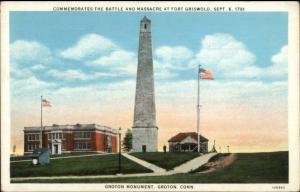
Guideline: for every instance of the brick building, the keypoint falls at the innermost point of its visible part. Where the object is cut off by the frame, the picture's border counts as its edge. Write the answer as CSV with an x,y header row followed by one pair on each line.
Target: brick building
x,y
72,138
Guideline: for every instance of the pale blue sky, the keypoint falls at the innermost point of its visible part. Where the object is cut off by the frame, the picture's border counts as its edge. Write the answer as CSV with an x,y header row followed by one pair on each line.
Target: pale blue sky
x,y
263,34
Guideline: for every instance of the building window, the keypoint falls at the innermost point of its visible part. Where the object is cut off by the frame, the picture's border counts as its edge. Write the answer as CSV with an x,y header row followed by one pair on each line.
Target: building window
x,y
82,135
56,136
145,26
32,146
82,146
33,137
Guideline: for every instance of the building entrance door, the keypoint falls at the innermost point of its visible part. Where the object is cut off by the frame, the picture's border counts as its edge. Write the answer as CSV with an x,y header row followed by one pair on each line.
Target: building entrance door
x,y
55,149
144,148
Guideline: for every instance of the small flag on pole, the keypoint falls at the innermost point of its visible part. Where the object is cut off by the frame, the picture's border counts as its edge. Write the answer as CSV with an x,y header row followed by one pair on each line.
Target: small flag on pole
x,y
204,74
46,103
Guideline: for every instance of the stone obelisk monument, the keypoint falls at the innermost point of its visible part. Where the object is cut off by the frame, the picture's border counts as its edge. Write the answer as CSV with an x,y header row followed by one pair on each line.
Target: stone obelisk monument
x,y
144,130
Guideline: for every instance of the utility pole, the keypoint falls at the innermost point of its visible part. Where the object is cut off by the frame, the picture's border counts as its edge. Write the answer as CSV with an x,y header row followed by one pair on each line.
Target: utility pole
x,y
120,150
198,110
41,130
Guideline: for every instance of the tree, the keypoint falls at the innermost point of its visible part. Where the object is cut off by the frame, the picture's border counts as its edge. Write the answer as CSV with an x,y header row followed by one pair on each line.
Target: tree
x,y
14,149
127,141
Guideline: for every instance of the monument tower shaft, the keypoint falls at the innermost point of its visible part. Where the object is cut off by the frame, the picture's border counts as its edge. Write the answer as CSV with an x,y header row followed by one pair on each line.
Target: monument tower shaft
x,y
144,111
144,130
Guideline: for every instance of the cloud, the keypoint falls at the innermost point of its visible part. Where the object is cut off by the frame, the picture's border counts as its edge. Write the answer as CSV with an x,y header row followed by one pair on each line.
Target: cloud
x,y
73,74
162,73
224,52
116,58
119,61
37,67
230,58
28,57
30,84
278,68
29,52
89,46
247,72
125,62
101,93
70,74
20,72
176,57
280,63
220,52
222,92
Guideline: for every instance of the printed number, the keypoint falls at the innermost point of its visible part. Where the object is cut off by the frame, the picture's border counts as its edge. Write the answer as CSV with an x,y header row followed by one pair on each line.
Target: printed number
x,y
278,187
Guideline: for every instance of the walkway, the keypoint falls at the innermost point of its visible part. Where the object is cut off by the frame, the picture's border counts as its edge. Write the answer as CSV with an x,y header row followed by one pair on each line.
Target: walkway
x,y
193,164
184,168
146,164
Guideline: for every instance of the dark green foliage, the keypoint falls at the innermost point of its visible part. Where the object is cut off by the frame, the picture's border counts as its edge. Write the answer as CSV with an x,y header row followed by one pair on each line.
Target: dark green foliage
x,y
127,141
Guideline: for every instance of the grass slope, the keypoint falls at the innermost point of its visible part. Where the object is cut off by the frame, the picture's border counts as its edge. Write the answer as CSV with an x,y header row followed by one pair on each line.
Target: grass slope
x,y
166,160
92,165
248,168
27,157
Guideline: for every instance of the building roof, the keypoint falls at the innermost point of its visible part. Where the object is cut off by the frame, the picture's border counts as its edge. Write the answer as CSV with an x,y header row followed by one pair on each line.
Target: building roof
x,y
78,126
181,136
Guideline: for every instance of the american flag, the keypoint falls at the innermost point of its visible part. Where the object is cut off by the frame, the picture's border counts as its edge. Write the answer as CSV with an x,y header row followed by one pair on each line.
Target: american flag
x,y
46,103
204,74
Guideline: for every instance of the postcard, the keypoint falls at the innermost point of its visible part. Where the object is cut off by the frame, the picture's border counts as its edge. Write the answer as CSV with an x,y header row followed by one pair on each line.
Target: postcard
x,y
150,96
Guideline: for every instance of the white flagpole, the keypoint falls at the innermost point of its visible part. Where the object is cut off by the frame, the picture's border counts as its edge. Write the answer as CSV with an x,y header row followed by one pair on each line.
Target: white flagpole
x,y
198,110
41,131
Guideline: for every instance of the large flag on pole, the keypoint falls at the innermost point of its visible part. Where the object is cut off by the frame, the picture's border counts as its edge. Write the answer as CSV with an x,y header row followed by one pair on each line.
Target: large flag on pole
x,y
46,103
204,74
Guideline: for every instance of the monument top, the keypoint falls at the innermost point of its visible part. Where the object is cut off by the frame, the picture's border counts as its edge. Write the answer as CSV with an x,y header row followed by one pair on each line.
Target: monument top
x,y
145,25
145,19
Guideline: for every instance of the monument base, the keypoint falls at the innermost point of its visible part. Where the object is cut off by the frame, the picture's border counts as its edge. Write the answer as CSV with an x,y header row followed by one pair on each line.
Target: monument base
x,y
144,139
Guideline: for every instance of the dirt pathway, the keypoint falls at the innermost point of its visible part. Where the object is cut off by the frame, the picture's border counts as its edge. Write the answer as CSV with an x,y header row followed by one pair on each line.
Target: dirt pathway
x,y
220,163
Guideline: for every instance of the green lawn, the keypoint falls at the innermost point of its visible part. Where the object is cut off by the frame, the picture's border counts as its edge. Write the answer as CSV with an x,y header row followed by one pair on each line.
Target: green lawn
x,y
27,157
166,160
91,165
248,168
